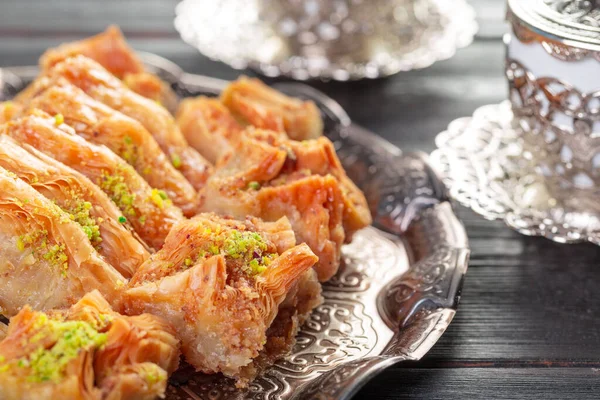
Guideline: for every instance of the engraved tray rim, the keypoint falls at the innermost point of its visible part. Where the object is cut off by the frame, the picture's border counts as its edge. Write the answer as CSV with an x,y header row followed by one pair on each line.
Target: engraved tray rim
x,y
417,305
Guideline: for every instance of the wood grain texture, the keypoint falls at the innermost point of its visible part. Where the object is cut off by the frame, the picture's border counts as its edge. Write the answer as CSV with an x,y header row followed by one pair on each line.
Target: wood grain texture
x,y
527,326
491,383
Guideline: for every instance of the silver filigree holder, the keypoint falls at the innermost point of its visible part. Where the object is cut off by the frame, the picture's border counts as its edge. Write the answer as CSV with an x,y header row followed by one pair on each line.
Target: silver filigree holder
x,y
535,161
340,40
400,281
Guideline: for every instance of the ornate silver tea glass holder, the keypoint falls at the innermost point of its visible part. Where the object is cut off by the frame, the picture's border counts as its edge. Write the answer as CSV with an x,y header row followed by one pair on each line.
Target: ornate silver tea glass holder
x,y
534,161
486,168
339,39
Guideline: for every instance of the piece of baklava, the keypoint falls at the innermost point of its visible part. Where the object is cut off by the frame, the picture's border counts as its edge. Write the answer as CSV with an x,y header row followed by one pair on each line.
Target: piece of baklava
x,y
100,124
86,352
149,211
270,176
89,206
99,84
256,104
208,126
46,258
220,282
108,48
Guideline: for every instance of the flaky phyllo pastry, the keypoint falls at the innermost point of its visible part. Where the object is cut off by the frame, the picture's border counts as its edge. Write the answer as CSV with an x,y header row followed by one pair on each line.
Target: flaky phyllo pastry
x,y
126,137
47,260
205,120
79,197
86,352
220,282
101,86
255,104
270,176
147,209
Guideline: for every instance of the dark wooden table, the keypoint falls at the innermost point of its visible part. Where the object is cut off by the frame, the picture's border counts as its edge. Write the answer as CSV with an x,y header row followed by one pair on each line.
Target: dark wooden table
x,y
527,326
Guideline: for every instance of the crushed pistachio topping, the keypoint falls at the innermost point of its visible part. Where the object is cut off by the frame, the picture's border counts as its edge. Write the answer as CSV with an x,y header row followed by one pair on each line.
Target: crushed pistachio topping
x,y
56,256
254,185
153,374
37,241
80,213
248,248
122,219
59,119
128,150
118,191
30,238
176,160
68,337
160,198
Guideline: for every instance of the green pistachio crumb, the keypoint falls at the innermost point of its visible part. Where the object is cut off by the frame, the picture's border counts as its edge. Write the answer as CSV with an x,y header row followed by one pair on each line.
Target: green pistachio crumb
x,y
254,185
176,160
59,119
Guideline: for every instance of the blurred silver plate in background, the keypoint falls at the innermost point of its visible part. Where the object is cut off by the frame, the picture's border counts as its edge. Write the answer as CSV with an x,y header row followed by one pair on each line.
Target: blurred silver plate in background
x,y
486,167
337,39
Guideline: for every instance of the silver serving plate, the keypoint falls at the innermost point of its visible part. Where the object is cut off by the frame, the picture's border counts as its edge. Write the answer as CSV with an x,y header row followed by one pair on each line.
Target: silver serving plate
x,y
400,281
486,168
340,40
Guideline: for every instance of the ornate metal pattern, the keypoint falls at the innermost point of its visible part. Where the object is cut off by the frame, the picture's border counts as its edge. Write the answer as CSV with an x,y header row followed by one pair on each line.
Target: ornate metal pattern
x,y
584,12
338,40
556,49
559,131
483,162
567,29
393,297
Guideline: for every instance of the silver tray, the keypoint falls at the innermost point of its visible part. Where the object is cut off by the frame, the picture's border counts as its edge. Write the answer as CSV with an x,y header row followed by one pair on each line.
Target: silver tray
x,y
400,281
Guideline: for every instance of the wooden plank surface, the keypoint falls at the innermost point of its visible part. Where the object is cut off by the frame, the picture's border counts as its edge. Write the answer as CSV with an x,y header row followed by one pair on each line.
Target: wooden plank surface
x,y
485,383
527,324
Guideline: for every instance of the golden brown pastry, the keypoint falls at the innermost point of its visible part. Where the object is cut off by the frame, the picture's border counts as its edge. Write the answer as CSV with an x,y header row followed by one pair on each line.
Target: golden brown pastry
x,y
100,124
148,210
220,283
78,196
46,258
270,176
208,126
153,88
9,110
3,330
99,84
86,352
256,104
108,49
